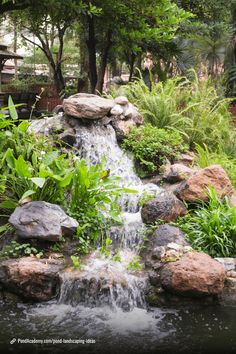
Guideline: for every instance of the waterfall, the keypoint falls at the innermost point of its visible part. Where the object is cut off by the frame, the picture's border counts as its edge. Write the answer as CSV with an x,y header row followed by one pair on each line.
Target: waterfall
x,y
103,281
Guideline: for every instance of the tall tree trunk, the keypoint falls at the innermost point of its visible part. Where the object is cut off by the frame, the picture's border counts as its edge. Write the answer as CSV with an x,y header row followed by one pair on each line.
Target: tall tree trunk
x,y
103,62
91,44
83,84
58,80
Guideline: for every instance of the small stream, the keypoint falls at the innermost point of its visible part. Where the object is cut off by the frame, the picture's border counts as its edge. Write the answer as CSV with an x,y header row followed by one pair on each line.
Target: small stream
x,y
118,319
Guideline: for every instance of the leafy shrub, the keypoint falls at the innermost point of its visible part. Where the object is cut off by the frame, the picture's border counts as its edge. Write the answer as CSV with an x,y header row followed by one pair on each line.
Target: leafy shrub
x,y
212,227
151,146
43,178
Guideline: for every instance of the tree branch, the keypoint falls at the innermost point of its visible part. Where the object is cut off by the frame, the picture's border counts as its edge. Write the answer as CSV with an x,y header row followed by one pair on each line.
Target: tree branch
x,y
32,42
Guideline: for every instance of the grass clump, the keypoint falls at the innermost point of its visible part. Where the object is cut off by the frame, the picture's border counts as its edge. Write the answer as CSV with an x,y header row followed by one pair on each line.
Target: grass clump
x,y
211,227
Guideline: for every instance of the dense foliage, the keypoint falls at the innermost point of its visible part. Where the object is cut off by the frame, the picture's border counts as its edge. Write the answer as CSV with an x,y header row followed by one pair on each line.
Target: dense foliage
x,y
32,169
151,147
189,106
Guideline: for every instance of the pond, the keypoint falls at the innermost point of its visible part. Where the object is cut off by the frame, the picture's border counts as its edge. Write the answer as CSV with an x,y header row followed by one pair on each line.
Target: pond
x,y
52,327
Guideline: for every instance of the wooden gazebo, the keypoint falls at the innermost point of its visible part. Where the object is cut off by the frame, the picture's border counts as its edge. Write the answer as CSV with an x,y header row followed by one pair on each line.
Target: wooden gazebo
x,y
6,54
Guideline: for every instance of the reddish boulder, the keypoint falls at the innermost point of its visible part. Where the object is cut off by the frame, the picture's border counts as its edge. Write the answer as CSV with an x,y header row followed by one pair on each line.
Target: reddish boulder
x,y
195,274
31,278
196,186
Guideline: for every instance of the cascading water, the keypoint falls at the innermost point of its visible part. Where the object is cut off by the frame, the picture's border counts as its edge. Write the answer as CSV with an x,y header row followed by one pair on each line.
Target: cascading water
x,y
103,281
101,309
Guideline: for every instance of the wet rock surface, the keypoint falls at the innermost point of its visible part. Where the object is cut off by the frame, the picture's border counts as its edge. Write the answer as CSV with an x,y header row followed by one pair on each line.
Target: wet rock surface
x,y
102,283
228,295
195,188
31,278
195,274
42,221
165,207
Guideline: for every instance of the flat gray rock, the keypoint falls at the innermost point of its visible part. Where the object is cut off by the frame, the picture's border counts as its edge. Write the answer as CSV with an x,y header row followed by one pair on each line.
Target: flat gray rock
x,y
41,220
87,106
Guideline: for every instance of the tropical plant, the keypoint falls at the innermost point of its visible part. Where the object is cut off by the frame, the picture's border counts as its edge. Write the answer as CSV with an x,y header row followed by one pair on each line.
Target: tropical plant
x,y
44,178
93,201
211,227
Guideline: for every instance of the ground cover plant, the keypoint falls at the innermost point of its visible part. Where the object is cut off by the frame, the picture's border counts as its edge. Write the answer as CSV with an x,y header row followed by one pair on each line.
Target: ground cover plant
x,y
152,147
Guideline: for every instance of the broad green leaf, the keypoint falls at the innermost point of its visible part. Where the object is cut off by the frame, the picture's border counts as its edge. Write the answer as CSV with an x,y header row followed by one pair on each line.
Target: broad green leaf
x,y
12,109
45,172
4,124
23,126
66,180
4,228
38,181
34,159
22,168
10,158
49,157
8,204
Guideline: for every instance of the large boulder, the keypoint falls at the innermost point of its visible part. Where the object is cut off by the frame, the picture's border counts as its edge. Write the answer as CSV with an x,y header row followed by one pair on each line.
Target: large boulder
x,y
166,234
196,186
195,274
87,106
165,207
41,220
31,278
